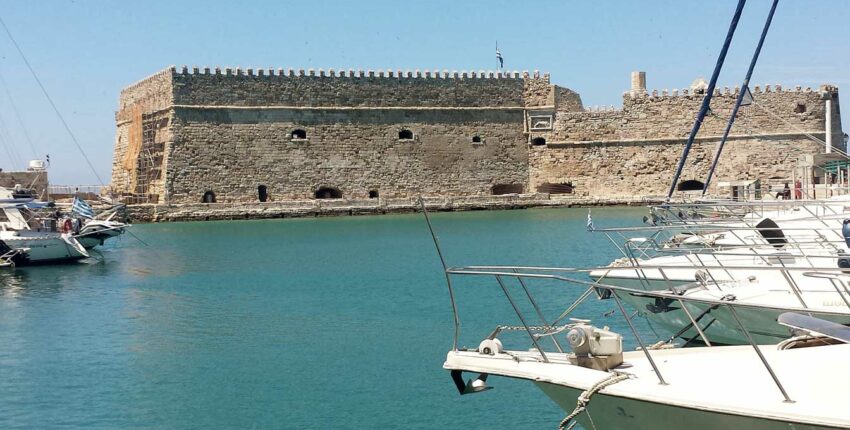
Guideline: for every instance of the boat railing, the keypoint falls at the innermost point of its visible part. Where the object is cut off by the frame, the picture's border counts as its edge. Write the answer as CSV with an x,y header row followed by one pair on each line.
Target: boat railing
x,y
649,241
689,212
565,276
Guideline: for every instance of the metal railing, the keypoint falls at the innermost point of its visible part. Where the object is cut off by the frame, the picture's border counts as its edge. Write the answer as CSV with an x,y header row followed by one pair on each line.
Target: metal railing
x,y
520,273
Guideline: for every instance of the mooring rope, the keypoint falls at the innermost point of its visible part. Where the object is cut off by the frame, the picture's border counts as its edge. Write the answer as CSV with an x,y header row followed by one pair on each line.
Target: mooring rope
x,y
584,399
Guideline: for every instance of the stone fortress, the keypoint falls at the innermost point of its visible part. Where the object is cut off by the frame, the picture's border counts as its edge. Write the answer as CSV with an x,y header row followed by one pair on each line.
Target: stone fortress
x,y
257,135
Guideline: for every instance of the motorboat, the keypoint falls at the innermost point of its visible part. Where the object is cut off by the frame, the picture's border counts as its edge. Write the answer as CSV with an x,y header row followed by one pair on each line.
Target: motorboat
x,y
19,230
703,388
95,231
601,385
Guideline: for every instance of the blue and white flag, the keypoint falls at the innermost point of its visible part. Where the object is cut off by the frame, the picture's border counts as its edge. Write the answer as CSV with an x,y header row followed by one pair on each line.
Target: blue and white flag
x,y
589,221
81,208
499,57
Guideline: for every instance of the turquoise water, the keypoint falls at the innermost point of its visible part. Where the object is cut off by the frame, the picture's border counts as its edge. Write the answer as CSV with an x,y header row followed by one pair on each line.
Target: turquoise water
x,y
302,323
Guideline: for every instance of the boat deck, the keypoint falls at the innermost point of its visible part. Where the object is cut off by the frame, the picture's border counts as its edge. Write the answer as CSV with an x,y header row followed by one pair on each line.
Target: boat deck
x,y
729,379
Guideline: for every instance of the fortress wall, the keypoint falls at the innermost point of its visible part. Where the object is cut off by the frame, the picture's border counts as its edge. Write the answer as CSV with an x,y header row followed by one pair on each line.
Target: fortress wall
x,y
233,151
661,114
567,100
34,181
336,88
142,108
184,132
641,167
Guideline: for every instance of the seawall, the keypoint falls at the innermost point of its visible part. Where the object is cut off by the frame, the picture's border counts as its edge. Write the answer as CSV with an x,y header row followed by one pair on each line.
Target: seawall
x,y
342,207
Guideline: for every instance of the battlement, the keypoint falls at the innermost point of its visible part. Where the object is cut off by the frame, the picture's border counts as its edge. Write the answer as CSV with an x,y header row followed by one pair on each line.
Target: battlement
x,y
729,92
359,73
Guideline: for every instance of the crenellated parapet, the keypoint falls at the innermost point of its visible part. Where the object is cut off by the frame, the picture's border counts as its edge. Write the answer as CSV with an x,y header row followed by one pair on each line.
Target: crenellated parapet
x,y
728,91
670,113
272,72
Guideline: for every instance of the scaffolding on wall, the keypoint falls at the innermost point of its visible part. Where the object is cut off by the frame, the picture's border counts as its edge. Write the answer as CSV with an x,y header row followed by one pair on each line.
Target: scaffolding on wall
x,y
144,156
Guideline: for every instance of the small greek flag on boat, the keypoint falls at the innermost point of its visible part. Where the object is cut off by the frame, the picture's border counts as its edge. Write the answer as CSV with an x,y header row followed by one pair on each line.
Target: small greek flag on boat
x,y
589,221
81,208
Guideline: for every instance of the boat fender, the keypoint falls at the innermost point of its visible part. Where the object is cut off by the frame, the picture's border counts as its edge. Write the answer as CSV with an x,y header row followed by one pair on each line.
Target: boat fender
x,y
843,261
845,231
490,347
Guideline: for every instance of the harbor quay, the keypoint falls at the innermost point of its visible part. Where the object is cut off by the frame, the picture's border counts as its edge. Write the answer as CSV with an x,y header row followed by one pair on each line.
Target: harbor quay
x,y
341,207
221,143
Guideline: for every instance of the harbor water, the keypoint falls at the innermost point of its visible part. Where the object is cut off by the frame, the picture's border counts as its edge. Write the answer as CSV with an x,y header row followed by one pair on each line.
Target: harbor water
x,y
298,323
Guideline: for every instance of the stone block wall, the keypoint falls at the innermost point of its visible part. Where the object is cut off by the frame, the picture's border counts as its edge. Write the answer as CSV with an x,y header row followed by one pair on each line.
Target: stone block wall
x,y
634,150
645,168
230,130
339,88
184,133
35,181
232,152
142,117
671,114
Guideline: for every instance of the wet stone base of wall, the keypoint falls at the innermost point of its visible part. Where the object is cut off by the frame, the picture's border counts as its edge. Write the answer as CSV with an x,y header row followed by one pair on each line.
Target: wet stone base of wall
x,y
341,207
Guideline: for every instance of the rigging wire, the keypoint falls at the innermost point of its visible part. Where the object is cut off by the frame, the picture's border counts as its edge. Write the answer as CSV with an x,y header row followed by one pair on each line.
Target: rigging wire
x,y
15,158
52,104
8,152
35,151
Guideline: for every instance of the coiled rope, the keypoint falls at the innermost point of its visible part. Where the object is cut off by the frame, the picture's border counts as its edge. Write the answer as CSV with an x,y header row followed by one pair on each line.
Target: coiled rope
x,y
584,399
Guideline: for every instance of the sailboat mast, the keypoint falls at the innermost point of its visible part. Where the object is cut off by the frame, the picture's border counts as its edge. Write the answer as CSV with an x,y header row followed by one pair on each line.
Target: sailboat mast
x,y
706,101
745,88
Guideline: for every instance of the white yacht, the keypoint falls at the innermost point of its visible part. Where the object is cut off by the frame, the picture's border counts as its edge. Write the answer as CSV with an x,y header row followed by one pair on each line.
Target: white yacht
x,y
704,388
600,385
96,231
18,231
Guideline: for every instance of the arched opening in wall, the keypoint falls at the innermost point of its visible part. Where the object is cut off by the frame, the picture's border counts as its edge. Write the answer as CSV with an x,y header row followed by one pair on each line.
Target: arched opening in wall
x,y
500,189
559,188
476,139
800,108
328,193
405,135
209,197
262,193
299,134
690,185
538,141
373,194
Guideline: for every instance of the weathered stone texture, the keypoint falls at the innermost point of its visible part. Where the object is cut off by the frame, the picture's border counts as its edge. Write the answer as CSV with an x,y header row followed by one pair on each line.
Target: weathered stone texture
x,y
142,119
31,180
325,91
645,116
232,152
182,134
629,168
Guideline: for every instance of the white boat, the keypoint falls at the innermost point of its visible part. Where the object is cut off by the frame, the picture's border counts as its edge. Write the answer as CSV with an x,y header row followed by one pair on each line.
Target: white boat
x,y
706,388
761,305
40,246
792,384
753,264
44,247
95,232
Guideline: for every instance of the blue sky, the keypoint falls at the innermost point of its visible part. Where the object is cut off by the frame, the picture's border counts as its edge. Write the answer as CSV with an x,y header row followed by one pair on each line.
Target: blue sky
x,y
86,51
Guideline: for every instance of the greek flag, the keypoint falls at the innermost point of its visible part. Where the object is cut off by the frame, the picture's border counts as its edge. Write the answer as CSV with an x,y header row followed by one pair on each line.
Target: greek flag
x,y
81,208
499,57
589,221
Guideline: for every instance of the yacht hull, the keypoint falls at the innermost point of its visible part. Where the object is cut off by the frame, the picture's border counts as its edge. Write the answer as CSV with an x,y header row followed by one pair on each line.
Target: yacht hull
x,y
719,325
42,249
619,413
95,233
